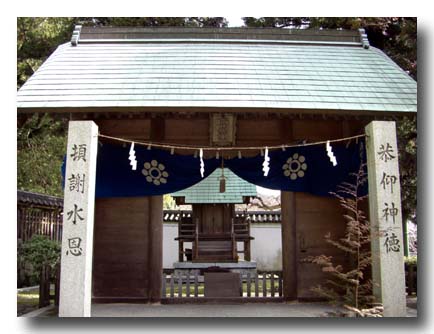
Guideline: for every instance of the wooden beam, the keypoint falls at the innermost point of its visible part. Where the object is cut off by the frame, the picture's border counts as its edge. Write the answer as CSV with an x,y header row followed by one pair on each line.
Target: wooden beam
x,y
289,250
155,260
157,129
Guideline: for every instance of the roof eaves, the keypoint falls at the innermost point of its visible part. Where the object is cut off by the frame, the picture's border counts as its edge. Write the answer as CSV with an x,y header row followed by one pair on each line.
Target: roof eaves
x,y
390,61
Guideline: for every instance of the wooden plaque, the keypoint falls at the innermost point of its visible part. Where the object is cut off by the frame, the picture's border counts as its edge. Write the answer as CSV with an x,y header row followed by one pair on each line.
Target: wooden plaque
x,y
222,131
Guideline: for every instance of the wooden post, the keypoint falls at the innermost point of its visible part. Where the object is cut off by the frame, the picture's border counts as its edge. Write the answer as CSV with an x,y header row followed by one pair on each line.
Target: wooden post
x,y
247,252
405,237
249,285
79,204
44,286
289,249
180,250
187,287
272,284
196,284
155,259
264,284
57,285
180,284
172,287
388,273
256,285
163,286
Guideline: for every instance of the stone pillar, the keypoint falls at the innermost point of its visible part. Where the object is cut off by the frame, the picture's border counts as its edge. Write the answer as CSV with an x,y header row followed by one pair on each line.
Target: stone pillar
x,y
155,248
386,218
289,249
78,217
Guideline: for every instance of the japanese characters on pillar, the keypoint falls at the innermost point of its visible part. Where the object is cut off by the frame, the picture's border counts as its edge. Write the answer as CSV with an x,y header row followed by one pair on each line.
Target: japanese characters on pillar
x,y
386,218
387,155
77,239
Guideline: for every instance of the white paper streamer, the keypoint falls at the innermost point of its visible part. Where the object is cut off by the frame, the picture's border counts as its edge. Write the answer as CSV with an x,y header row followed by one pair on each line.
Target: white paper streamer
x,y
132,158
330,154
266,163
202,164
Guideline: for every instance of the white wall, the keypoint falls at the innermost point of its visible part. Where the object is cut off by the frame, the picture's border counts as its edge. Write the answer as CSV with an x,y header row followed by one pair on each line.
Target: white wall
x,y
266,248
170,245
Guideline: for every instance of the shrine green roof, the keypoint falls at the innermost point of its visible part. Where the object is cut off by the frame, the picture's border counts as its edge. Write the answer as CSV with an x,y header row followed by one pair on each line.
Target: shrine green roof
x,y
222,68
208,190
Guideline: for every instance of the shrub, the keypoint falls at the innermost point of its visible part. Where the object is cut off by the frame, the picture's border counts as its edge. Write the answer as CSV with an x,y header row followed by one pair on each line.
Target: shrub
x,y
37,251
348,284
410,260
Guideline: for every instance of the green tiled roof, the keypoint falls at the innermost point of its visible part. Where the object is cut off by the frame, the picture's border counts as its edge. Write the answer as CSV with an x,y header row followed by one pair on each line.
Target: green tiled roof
x,y
234,68
208,190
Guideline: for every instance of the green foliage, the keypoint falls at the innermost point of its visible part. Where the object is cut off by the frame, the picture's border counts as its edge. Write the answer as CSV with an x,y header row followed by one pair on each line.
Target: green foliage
x,y
217,22
41,145
37,38
39,250
168,203
410,260
276,22
407,146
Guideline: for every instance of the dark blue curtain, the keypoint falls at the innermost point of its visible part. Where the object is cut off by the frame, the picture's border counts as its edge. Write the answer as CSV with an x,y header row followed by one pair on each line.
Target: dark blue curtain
x,y
300,169
303,169
158,172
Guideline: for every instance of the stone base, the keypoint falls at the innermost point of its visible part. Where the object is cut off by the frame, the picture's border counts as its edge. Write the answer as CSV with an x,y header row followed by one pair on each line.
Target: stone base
x,y
241,267
218,285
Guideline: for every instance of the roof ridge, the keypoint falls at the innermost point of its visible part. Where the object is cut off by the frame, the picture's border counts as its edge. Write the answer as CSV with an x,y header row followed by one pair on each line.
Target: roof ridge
x,y
232,35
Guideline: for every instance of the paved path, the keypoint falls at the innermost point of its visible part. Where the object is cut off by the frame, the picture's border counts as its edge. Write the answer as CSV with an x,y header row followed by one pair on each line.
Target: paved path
x,y
294,309
211,310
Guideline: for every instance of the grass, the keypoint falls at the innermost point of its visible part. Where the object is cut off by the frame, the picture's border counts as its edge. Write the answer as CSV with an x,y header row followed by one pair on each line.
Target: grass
x,y
28,301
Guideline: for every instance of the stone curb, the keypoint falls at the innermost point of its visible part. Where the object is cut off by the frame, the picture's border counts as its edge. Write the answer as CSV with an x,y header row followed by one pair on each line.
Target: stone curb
x,y
38,312
29,288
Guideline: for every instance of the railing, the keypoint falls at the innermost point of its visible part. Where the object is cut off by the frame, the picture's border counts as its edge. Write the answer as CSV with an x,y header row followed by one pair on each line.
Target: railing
x,y
191,284
253,216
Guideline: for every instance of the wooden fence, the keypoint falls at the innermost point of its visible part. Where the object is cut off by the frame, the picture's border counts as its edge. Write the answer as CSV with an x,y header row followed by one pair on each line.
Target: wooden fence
x,y
40,221
38,214
191,285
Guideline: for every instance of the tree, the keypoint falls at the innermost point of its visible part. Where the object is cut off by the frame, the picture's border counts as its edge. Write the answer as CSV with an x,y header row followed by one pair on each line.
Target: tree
x,y
37,38
41,145
348,284
276,22
210,22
